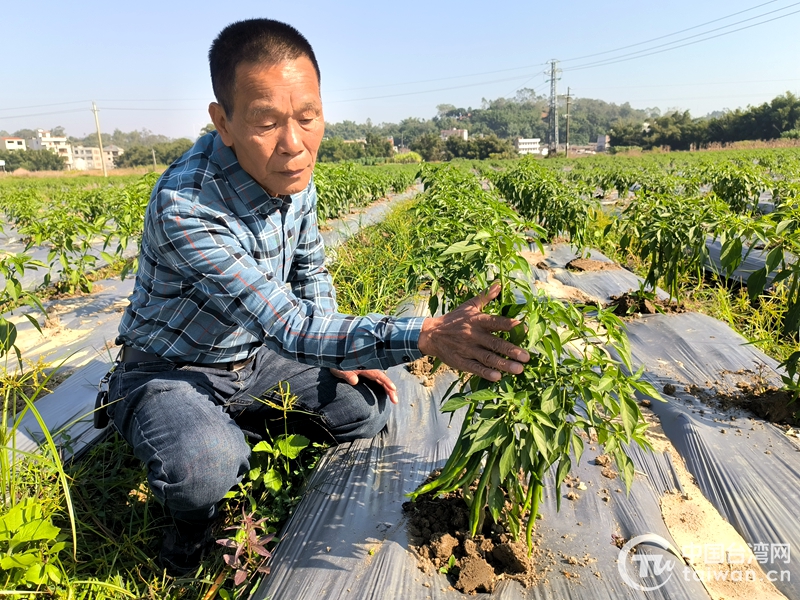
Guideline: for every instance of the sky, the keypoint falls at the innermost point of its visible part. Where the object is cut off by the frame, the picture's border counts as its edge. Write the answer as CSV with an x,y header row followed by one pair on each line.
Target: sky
x,y
145,63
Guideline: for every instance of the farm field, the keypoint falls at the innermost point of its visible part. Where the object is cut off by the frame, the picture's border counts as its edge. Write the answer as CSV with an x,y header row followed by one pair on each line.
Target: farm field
x,y
715,232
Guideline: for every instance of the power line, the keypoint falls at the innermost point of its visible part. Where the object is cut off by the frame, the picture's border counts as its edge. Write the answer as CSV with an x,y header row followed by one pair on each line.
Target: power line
x,y
45,105
58,112
574,58
646,52
455,87
661,37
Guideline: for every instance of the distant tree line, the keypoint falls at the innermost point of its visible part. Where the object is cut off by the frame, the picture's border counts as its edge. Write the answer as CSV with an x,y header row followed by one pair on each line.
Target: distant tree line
x,y
779,118
524,116
165,152
32,160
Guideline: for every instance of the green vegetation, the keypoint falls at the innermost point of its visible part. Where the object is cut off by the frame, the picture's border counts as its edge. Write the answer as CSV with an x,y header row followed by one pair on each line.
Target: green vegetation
x,y
92,528
515,429
679,131
32,160
142,156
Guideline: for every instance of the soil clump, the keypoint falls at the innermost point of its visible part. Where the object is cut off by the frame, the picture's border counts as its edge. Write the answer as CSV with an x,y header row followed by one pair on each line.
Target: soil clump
x,y
752,393
423,369
590,264
631,303
438,529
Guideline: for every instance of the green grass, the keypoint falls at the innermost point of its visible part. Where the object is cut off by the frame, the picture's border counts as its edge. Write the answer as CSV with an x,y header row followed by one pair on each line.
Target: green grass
x,y
370,269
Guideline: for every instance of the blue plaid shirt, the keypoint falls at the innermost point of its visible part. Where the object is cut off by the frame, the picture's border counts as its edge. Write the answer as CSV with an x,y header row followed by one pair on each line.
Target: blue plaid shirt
x,y
224,268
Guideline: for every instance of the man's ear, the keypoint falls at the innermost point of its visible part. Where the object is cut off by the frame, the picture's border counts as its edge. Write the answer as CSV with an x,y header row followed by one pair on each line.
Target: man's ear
x,y
220,120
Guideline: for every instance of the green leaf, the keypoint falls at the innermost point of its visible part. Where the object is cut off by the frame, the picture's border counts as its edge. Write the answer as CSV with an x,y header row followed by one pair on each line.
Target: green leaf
x,y
482,395
508,457
549,400
774,258
35,530
756,283
564,466
540,441
290,446
629,413
484,436
605,384
263,446
455,402
273,480
782,226
577,446
36,574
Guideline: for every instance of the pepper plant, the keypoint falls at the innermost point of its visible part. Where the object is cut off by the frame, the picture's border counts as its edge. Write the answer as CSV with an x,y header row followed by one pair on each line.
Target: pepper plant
x,y
571,390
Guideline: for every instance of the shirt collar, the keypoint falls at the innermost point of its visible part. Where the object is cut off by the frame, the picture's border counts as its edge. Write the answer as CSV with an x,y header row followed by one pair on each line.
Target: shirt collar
x,y
247,188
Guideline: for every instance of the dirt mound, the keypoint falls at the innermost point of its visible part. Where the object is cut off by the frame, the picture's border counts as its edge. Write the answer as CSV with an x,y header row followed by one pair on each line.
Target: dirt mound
x,y
423,368
438,531
589,264
752,393
631,303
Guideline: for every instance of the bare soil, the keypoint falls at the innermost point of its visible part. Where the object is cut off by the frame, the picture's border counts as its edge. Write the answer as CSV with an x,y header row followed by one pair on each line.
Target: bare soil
x,y
589,264
630,303
438,528
750,392
423,369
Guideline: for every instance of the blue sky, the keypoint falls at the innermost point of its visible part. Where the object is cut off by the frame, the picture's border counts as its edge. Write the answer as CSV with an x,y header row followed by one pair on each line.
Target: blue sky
x,y
145,62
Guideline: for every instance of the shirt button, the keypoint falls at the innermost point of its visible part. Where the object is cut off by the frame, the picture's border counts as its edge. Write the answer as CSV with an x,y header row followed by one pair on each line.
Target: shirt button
x,y
406,358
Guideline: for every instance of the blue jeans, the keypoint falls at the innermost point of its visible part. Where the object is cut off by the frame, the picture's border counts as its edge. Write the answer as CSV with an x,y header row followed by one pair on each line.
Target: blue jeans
x,y
188,423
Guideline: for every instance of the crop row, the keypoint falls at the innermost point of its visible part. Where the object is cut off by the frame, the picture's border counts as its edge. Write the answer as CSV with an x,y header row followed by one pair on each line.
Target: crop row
x,y
81,222
516,428
669,212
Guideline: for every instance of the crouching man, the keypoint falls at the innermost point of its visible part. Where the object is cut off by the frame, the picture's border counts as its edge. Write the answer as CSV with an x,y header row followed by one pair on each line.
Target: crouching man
x,y
232,297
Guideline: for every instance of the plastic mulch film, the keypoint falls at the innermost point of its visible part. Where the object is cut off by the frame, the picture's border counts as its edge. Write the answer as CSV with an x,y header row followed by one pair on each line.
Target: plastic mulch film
x,y
602,285
348,539
747,467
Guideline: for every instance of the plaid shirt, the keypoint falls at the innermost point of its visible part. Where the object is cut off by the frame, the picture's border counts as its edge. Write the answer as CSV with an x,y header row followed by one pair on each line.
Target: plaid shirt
x,y
224,268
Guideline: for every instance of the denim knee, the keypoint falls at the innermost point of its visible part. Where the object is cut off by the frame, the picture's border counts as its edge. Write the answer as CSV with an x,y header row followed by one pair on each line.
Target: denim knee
x,y
194,452
360,411
201,472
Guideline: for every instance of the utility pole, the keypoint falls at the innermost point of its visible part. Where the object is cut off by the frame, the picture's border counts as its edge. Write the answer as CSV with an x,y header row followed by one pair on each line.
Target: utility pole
x,y
554,71
99,139
154,158
567,118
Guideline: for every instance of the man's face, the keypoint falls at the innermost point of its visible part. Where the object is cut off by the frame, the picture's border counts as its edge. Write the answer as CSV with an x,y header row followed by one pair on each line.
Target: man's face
x,y
276,126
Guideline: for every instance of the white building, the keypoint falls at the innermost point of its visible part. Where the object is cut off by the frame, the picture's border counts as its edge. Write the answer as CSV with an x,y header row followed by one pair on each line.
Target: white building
x,y
56,144
86,158
12,143
110,154
603,143
528,145
462,133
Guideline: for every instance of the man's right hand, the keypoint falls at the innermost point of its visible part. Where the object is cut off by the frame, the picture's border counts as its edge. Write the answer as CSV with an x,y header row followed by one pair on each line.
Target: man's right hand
x,y
463,340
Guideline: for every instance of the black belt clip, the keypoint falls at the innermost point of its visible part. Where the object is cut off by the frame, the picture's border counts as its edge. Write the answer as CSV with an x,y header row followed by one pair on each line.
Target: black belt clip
x,y
100,415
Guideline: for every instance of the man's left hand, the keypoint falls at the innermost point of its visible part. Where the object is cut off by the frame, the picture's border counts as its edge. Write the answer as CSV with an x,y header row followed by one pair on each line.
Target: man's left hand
x,y
375,375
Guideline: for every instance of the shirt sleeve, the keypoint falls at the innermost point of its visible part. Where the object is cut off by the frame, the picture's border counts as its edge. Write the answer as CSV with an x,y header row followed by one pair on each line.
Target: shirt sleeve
x,y
202,247
308,277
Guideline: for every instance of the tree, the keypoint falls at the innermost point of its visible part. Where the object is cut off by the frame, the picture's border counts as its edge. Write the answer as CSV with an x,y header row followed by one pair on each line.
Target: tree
x,y
626,132
378,146
337,150
207,129
166,153
429,146
32,160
